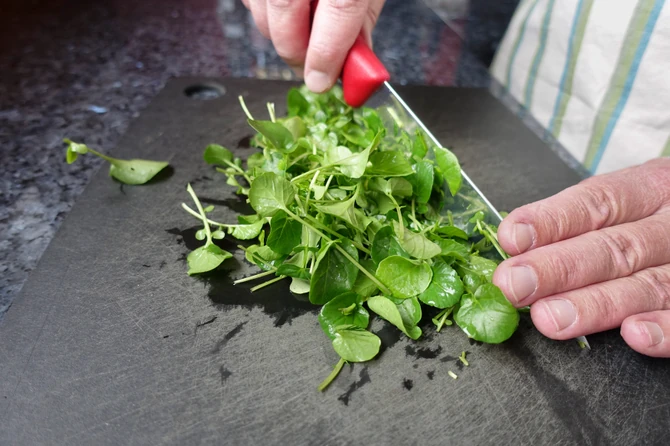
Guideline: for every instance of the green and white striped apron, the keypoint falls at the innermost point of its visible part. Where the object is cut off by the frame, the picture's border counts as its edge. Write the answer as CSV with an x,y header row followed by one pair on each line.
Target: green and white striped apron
x,y
595,74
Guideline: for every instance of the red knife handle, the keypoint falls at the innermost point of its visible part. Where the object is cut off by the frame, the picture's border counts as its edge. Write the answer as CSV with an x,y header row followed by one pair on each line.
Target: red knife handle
x,y
362,72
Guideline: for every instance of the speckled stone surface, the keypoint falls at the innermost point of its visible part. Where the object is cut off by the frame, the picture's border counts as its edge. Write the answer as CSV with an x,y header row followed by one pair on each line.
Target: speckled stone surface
x,y
84,70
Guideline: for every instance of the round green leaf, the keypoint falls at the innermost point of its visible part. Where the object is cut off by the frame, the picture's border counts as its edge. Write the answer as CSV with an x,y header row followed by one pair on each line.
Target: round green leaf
x,y
405,315
385,244
270,193
355,344
487,316
334,274
445,289
285,233
345,309
216,154
135,171
417,245
405,278
206,258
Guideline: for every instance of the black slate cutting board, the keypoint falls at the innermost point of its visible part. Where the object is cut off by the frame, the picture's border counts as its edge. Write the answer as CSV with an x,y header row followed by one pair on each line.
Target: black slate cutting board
x,y
112,343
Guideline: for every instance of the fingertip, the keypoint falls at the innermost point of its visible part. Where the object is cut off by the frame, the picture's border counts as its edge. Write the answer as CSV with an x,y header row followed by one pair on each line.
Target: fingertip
x,y
646,335
516,236
505,237
549,324
318,81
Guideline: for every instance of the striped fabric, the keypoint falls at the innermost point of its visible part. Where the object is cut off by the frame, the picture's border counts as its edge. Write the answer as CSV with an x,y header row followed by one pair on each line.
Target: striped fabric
x,y
595,74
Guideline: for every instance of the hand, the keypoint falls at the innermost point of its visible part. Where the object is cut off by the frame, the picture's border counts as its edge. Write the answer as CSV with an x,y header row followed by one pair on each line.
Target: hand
x,y
595,257
319,57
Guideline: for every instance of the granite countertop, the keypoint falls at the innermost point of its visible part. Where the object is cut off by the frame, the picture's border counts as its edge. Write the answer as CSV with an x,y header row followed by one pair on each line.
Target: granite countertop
x,y
83,70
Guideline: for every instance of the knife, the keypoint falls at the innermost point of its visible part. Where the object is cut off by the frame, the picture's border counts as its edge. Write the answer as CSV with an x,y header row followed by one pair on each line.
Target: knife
x,y
365,81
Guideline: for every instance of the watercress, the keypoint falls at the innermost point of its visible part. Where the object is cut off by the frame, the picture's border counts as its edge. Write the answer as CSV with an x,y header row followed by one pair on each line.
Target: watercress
x,y
354,210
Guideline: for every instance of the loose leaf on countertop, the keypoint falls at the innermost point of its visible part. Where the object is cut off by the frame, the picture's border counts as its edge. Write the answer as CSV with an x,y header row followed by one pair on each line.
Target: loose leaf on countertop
x,y
133,172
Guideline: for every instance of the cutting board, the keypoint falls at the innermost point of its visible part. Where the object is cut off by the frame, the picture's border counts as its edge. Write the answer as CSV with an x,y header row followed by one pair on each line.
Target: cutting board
x,y
110,342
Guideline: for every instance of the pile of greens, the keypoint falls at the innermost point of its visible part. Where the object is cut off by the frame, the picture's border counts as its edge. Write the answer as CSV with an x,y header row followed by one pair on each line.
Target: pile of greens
x,y
355,212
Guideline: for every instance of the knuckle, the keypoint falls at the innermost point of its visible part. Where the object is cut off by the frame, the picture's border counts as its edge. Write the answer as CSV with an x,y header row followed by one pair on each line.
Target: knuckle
x,y
656,282
372,15
347,6
659,176
600,205
601,306
625,251
324,53
281,4
562,271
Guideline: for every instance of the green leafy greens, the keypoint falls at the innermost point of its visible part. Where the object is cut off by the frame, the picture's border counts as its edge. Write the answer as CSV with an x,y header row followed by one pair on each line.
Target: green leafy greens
x,y
353,209
133,171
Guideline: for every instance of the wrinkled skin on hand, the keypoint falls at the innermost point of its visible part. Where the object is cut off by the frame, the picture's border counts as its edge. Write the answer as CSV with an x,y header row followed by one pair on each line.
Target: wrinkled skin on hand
x,y
317,55
595,257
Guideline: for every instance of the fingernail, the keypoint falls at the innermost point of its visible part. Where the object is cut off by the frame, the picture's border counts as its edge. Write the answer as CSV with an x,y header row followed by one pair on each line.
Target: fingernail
x,y
317,81
562,312
523,236
652,331
522,281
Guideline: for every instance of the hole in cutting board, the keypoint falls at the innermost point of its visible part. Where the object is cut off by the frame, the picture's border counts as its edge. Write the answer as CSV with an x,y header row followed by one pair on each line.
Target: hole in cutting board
x,y
205,92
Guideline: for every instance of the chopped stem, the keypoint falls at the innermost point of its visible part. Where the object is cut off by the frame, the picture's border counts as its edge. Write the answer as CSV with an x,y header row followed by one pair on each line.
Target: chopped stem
x,y
330,378
244,107
239,169
269,282
210,221
254,277
401,224
271,111
463,360
208,231
371,276
488,233
443,318
101,155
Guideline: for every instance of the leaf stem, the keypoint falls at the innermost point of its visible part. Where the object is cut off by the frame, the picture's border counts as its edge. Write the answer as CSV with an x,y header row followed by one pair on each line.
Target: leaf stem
x,y
102,155
271,111
269,282
443,318
208,231
330,378
487,232
237,168
244,107
371,276
254,277
335,234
